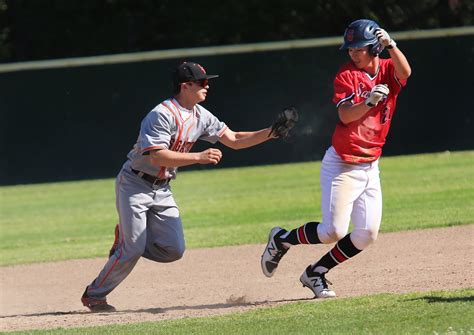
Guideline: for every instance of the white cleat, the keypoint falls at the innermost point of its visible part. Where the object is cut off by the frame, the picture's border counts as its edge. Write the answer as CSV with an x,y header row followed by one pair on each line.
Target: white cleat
x,y
317,283
273,253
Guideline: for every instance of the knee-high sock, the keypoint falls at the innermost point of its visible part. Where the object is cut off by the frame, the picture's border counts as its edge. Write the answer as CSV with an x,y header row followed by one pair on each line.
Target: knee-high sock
x,y
305,234
342,251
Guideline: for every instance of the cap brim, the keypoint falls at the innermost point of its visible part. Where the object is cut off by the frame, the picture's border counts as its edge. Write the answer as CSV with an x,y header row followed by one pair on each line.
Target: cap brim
x,y
188,80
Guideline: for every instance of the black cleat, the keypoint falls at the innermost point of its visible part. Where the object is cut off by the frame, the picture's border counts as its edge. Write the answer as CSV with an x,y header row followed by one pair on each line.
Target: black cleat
x,y
273,252
96,305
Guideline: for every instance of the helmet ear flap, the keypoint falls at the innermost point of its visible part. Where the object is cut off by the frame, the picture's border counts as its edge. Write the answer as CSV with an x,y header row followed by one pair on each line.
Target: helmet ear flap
x,y
376,48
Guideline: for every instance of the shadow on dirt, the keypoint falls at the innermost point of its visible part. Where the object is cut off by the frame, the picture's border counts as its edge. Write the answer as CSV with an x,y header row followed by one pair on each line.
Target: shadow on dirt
x,y
228,304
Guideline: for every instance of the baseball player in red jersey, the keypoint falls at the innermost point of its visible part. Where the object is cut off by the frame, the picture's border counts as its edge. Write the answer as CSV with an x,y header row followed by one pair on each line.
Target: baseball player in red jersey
x,y
365,94
149,219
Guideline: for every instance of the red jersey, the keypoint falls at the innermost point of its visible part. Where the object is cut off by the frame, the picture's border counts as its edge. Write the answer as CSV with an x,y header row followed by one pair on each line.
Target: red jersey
x,y
361,141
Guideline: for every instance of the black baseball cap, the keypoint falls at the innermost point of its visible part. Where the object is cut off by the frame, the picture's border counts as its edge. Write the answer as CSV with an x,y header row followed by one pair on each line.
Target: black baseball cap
x,y
189,71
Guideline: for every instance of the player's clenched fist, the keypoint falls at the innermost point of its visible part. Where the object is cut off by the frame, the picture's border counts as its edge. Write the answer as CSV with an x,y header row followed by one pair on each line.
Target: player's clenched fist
x,y
210,156
384,38
377,93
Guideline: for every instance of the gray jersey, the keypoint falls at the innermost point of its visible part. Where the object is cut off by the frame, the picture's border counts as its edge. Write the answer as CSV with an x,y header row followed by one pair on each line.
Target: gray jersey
x,y
166,128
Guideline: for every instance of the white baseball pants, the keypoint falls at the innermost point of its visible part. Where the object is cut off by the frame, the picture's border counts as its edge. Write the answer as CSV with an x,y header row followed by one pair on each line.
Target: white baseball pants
x,y
350,193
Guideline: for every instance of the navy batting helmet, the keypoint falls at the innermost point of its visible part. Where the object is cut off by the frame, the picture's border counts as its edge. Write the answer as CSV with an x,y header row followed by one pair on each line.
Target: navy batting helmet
x,y
361,33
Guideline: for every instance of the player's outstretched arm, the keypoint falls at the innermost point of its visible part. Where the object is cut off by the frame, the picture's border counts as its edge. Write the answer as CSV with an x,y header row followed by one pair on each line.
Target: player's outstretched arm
x,y
170,158
244,139
280,128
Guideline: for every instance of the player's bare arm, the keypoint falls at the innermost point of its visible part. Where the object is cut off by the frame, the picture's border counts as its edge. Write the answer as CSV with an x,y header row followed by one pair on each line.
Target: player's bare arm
x,y
244,139
280,128
170,158
402,68
400,62
349,112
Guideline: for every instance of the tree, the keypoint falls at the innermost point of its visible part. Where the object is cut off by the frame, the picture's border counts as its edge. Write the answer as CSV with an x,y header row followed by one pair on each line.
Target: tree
x,y
45,29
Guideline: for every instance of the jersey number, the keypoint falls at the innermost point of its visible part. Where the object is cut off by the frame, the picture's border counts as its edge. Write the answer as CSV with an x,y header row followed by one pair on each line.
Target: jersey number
x,y
386,115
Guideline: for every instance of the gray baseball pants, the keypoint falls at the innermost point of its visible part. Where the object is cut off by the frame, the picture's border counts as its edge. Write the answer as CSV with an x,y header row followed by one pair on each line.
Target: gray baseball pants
x,y
149,226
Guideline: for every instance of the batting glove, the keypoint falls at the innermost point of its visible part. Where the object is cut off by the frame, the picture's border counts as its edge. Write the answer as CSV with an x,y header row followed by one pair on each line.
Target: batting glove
x,y
377,93
384,38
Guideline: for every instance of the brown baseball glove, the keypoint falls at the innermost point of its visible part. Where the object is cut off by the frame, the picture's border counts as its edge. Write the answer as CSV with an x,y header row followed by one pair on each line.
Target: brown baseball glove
x,y
284,122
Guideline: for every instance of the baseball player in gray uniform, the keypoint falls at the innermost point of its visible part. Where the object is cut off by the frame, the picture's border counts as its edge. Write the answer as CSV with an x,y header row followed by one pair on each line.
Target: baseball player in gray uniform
x,y
149,219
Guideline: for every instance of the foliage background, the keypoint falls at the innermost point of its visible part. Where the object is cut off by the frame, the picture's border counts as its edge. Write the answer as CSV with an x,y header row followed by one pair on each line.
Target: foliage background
x,y
45,29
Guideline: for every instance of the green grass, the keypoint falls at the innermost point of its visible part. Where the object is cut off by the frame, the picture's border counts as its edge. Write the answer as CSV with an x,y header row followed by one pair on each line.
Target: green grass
x,y
418,313
219,207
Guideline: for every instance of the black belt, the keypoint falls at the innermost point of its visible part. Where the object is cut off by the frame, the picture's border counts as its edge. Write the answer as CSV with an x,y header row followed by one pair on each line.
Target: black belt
x,y
149,178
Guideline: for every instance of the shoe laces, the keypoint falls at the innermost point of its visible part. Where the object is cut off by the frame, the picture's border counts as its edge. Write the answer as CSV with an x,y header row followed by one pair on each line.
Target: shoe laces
x,y
324,281
279,254
321,278
278,251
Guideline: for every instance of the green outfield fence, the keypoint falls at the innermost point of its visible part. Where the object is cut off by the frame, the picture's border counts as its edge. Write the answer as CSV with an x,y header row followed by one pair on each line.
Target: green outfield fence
x,y
77,118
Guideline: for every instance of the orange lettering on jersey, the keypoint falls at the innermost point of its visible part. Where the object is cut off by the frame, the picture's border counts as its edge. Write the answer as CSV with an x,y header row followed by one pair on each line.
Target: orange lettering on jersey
x,y
180,129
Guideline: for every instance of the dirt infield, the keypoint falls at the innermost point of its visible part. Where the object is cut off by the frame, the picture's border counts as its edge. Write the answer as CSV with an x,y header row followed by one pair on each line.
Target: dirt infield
x,y
219,281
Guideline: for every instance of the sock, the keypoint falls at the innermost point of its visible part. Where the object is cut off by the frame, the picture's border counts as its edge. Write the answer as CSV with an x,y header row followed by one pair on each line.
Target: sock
x,y
305,234
342,251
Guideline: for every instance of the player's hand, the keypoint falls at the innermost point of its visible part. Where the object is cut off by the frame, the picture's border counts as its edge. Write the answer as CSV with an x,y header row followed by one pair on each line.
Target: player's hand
x,y
377,93
210,156
384,38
